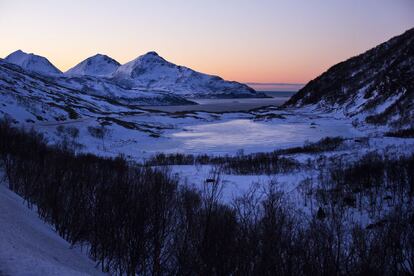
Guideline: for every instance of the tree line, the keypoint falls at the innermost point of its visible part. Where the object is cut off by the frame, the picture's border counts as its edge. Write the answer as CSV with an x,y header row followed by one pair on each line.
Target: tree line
x,y
254,163
137,220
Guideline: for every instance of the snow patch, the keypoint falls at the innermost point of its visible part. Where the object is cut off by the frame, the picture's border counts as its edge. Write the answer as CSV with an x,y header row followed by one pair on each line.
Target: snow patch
x,y
28,246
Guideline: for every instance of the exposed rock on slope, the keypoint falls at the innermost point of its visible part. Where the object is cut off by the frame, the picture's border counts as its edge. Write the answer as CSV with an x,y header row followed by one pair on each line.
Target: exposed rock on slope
x,y
375,87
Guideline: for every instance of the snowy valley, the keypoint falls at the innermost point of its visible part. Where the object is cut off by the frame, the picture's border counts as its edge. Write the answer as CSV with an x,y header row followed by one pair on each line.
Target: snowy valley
x,y
339,153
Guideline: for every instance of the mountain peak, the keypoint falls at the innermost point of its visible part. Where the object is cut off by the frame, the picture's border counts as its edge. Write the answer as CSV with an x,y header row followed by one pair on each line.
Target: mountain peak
x,y
150,61
152,53
150,56
103,56
16,56
32,62
98,55
18,52
98,65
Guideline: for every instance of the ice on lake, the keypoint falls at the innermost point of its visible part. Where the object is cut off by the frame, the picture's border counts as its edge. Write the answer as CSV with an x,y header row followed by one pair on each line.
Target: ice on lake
x,y
254,136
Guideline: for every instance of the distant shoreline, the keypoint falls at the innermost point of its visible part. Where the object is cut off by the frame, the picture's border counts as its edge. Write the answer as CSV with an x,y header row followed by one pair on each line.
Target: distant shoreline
x,y
276,98
260,87
279,93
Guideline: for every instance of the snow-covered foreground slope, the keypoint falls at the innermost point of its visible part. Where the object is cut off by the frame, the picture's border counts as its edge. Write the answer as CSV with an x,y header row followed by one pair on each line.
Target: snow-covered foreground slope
x,y
28,246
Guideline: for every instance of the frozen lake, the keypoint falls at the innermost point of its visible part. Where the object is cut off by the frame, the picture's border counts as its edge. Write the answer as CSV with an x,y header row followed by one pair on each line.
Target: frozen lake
x,y
254,136
230,136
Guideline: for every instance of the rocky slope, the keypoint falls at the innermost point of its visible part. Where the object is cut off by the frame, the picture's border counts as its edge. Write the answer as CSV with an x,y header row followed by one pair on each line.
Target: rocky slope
x,y
376,87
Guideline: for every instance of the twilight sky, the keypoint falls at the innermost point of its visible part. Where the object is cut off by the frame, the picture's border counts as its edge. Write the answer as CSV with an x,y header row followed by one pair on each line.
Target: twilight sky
x,y
288,41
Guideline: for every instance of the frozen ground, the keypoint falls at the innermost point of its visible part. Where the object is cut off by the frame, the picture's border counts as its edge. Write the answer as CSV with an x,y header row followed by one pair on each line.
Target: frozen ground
x,y
234,186
203,133
31,247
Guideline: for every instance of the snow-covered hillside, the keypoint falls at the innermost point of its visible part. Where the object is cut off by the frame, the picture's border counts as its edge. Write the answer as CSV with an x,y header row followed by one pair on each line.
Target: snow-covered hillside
x,y
153,73
32,62
97,65
376,87
31,247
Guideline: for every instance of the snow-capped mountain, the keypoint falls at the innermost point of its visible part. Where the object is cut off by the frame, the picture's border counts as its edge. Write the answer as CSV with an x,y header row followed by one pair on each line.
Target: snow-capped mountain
x,y
150,72
47,77
32,62
375,87
97,65
30,97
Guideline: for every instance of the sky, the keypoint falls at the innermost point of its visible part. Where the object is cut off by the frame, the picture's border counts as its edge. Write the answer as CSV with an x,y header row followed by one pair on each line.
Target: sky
x,y
252,41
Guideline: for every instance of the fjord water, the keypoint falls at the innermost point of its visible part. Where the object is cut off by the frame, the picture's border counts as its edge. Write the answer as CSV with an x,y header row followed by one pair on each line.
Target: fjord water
x,y
229,105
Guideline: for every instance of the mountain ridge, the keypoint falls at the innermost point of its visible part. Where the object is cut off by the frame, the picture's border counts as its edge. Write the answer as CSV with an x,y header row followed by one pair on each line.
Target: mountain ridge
x,y
148,73
375,87
32,62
